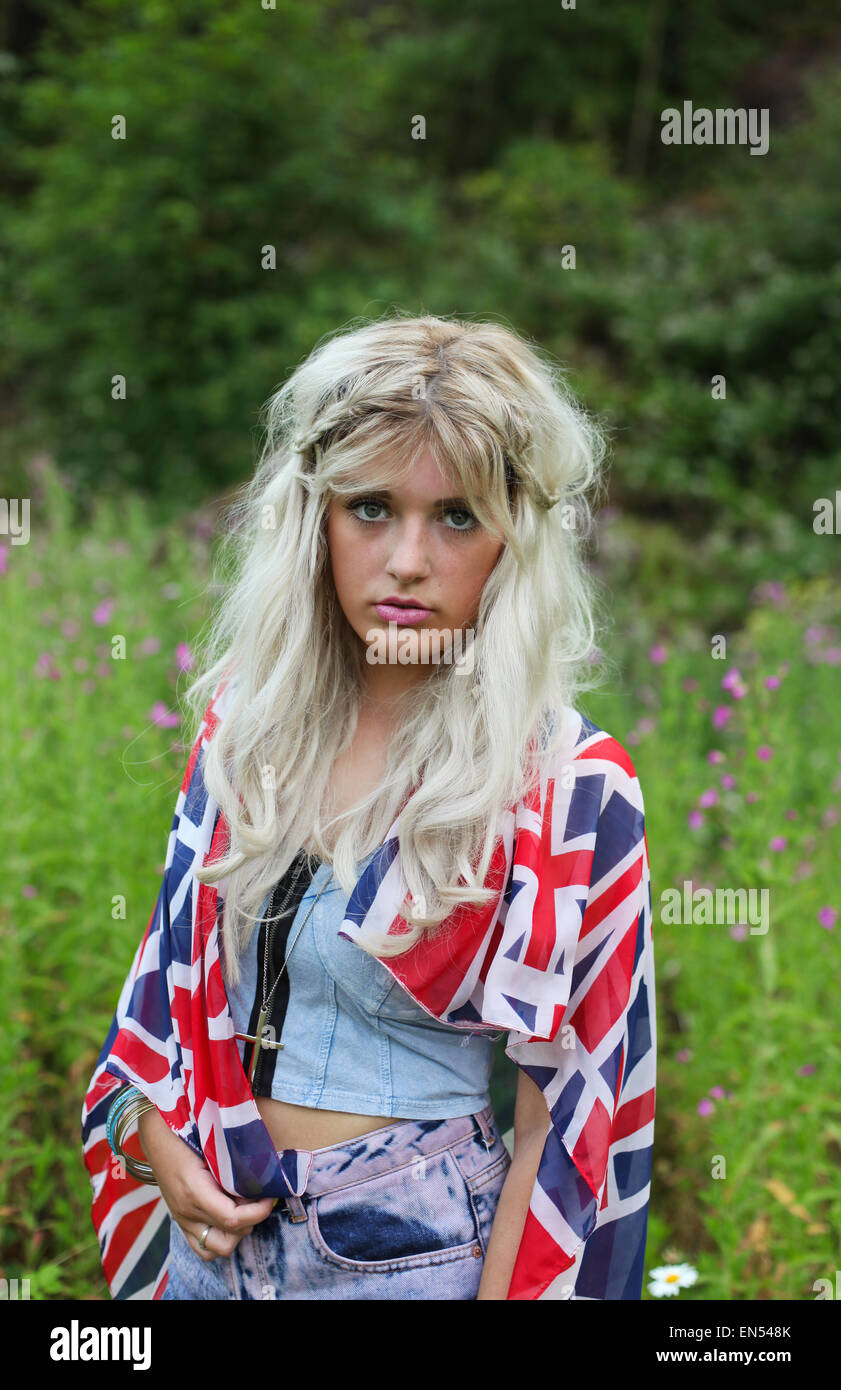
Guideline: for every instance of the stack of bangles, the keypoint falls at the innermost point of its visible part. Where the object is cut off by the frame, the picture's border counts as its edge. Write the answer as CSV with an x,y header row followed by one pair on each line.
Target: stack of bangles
x,y
129,1105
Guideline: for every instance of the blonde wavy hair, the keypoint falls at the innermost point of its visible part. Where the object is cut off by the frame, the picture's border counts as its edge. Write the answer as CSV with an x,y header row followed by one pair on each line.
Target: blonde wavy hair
x,y
500,422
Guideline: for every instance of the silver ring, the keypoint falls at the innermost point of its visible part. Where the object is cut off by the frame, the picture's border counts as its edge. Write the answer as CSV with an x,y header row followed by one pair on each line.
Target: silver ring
x,y
203,1238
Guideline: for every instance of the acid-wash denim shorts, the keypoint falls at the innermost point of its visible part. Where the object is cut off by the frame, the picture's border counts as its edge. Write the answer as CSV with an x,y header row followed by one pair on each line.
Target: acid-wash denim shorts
x,y
403,1212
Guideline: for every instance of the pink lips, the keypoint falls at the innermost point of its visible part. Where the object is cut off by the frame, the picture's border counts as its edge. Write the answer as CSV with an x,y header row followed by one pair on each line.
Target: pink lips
x,y
392,613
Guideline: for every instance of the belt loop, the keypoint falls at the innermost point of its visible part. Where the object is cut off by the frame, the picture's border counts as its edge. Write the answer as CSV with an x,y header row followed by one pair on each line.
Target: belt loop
x,y
296,1208
488,1137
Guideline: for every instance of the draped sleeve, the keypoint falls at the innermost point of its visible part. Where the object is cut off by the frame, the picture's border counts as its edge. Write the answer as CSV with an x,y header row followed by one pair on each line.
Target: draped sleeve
x,y
589,930
172,1037
563,960
143,1048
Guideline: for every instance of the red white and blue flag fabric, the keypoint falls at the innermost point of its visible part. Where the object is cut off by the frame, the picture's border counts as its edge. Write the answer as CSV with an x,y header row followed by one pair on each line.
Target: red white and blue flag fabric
x,y
562,958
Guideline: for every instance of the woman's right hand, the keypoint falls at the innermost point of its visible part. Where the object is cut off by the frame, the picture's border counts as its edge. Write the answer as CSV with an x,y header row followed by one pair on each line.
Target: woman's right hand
x,y
193,1195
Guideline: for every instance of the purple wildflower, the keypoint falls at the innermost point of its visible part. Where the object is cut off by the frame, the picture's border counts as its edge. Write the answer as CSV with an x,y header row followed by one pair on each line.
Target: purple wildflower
x,y
161,716
103,611
184,659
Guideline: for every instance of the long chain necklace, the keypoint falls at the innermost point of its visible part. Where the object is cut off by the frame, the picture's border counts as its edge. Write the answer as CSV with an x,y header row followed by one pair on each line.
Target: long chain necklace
x,y
257,1036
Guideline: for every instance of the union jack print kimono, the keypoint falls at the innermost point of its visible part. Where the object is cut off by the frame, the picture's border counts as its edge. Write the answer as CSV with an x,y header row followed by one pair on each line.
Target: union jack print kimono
x,y
562,959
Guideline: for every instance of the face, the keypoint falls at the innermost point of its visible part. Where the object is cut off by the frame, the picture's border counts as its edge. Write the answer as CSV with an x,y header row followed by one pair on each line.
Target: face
x,y
415,541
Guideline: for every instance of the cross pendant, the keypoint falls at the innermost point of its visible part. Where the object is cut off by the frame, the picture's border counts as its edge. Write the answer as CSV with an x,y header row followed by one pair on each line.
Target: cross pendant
x,y
258,1038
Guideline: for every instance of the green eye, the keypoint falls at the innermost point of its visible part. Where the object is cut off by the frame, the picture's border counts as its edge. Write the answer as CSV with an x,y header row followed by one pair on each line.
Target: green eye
x,y
366,502
354,507
462,511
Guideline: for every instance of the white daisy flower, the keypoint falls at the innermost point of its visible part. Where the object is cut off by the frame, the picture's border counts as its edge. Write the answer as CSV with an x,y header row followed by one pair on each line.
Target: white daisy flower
x,y
667,1279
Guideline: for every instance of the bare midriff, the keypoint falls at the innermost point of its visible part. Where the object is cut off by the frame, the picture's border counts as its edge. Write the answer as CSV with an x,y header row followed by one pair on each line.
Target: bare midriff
x,y
304,1127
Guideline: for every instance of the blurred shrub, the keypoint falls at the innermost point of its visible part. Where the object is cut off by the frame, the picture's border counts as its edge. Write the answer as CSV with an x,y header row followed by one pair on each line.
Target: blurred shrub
x,y
143,258
744,283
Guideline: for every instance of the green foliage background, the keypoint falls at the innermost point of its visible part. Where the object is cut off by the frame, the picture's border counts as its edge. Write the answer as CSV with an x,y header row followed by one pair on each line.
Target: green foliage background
x,y
291,128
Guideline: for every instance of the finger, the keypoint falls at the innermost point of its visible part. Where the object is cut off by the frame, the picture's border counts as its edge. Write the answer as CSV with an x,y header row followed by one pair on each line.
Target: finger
x,y
217,1245
226,1231
228,1214
206,1193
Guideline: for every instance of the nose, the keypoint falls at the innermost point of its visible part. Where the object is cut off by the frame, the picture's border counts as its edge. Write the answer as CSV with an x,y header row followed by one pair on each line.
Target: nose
x,y
408,558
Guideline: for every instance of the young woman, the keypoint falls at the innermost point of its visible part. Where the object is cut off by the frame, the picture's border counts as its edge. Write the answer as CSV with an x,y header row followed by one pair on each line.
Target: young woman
x,y
395,838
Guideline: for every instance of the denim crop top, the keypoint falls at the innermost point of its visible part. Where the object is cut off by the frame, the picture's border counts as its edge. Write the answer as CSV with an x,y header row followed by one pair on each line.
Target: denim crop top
x,y
353,1039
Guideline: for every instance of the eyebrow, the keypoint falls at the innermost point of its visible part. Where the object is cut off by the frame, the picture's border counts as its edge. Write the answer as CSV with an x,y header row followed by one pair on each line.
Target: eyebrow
x,y
384,492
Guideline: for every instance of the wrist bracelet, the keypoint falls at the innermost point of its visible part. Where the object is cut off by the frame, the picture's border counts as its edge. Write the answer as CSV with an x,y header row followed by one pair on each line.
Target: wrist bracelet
x,y
128,1106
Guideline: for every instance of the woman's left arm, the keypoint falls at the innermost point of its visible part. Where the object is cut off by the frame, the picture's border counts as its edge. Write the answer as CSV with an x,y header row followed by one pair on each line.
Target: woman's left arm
x,y
530,1117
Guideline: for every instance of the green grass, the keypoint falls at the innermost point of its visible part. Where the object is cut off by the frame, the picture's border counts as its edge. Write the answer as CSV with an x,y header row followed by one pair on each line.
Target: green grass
x,y
746,1012
85,824
86,820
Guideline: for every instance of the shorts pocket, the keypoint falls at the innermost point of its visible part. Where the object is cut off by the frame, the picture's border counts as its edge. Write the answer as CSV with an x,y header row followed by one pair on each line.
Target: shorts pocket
x,y
420,1214
489,1174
